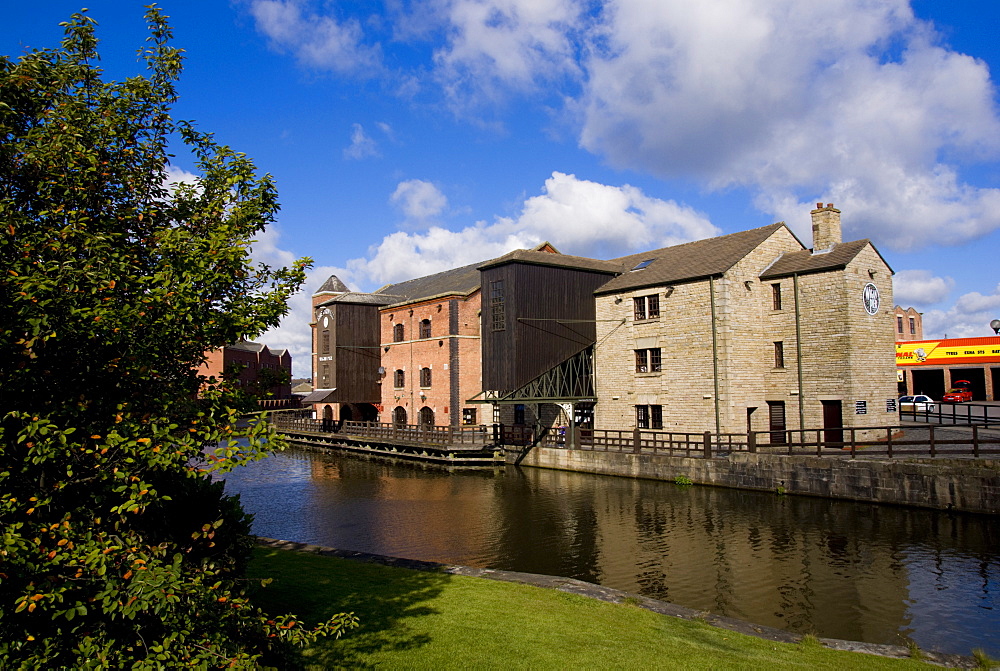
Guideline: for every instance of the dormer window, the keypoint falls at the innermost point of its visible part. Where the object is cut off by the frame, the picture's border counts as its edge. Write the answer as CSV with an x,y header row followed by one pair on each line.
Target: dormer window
x,y
643,264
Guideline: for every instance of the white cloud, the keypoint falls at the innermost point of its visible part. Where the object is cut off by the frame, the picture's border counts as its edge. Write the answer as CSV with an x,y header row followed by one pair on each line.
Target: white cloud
x,y
177,176
853,102
293,332
316,40
799,101
920,287
419,200
362,145
594,219
969,317
578,216
495,45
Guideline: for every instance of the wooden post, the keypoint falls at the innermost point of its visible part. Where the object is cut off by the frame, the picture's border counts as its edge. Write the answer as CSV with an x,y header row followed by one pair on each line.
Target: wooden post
x,y
751,442
708,444
636,441
975,441
571,436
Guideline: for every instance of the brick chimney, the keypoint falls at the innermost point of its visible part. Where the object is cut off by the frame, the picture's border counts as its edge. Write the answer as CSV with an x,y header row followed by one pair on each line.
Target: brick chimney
x,y
826,227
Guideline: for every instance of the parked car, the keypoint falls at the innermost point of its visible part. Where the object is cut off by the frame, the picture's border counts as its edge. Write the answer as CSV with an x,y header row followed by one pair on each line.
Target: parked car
x,y
961,393
916,403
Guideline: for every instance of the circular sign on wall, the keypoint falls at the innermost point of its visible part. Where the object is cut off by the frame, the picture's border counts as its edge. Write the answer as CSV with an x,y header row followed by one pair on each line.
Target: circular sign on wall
x,y
871,298
326,320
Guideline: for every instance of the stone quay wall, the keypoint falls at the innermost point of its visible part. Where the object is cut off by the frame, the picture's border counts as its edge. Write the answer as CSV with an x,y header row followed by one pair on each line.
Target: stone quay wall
x,y
948,484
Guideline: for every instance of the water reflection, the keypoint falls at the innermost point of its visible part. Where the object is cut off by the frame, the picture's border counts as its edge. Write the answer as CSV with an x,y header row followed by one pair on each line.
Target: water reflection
x,y
837,569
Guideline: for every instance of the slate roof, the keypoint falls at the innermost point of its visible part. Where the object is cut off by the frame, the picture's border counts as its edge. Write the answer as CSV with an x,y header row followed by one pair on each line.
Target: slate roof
x,y
686,262
457,281
533,257
805,261
248,346
359,298
333,285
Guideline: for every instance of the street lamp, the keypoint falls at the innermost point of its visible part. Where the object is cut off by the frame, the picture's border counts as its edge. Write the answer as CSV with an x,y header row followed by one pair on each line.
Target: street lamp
x,y
995,325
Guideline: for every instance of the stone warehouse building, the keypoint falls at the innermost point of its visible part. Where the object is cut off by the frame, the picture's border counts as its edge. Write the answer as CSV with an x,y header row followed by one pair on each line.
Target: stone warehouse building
x,y
748,330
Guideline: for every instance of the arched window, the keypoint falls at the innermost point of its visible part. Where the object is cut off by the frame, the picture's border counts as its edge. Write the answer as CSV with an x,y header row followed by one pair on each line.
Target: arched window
x,y
399,416
425,377
426,416
425,328
397,333
399,380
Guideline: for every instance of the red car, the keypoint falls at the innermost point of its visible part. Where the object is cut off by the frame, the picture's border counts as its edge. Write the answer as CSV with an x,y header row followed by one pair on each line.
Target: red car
x,y
960,394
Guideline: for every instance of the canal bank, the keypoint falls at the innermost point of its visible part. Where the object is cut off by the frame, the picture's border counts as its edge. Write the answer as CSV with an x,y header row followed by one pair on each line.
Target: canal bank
x,y
837,569
968,485
611,595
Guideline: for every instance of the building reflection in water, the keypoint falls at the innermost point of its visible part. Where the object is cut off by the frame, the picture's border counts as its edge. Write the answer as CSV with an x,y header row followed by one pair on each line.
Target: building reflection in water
x,y
834,568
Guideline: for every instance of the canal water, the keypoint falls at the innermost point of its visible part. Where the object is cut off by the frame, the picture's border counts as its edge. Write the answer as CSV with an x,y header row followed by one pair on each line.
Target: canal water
x,y
832,568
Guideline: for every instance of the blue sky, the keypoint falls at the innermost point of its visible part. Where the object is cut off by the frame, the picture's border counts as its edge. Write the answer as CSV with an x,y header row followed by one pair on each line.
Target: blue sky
x,y
409,137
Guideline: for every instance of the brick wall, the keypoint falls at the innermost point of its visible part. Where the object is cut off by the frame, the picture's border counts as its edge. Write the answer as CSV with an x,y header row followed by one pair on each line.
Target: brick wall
x,y
451,353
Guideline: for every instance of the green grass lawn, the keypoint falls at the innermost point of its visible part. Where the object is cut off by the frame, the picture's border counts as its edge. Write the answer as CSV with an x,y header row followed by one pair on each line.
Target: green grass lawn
x,y
425,620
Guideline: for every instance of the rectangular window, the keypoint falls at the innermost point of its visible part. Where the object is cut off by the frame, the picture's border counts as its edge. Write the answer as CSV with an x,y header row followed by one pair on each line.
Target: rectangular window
x,y
899,324
425,377
498,316
656,416
324,376
653,306
468,416
775,296
913,326
324,344
646,307
649,416
642,416
640,308
648,360
641,361
779,354
425,328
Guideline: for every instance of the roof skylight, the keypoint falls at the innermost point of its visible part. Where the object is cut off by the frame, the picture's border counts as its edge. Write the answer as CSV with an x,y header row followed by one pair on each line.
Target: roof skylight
x,y
643,264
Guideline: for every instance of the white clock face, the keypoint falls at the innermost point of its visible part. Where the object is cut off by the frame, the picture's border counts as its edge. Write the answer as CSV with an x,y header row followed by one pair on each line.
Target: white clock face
x,y
871,298
326,321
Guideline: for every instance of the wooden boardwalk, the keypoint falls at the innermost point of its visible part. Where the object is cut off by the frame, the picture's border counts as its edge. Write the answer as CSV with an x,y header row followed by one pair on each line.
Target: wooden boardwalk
x,y
452,445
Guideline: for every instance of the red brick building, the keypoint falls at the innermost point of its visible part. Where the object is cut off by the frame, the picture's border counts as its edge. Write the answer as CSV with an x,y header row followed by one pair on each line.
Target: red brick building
x,y
247,360
909,324
431,349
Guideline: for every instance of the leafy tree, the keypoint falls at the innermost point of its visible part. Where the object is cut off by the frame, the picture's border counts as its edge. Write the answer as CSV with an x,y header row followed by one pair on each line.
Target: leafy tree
x,y
117,549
